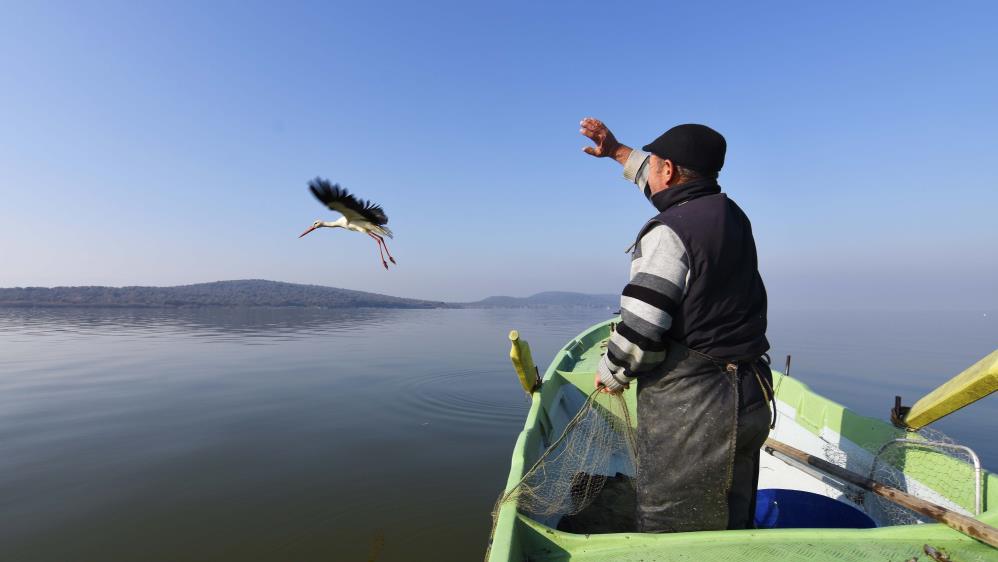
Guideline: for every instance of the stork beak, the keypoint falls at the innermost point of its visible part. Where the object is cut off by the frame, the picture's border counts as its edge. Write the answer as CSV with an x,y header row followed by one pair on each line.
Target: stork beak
x,y
310,229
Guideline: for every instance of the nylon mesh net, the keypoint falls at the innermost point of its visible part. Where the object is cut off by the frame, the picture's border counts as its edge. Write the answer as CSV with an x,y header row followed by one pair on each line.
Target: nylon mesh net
x,y
584,480
927,464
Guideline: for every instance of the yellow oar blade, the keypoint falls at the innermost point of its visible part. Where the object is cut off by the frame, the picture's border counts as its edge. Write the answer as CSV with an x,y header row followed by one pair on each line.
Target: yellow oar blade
x,y
969,386
523,363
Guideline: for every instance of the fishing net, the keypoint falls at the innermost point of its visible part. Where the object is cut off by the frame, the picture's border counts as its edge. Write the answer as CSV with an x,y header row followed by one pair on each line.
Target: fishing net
x,y
926,463
583,482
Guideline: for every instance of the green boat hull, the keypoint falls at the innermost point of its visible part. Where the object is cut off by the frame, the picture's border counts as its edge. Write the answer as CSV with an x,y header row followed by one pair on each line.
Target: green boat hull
x,y
517,537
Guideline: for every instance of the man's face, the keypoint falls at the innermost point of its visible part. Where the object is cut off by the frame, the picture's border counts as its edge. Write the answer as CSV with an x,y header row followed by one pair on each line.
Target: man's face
x,y
659,173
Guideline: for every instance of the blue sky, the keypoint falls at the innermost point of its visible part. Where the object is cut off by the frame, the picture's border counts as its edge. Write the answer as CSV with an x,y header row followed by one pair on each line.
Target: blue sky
x,y
170,142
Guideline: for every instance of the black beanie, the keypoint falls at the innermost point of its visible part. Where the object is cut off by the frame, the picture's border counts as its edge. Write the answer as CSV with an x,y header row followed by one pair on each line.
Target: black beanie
x,y
697,147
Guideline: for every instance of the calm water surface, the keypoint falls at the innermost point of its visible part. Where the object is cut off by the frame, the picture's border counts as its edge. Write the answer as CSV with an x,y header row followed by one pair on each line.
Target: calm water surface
x,y
220,434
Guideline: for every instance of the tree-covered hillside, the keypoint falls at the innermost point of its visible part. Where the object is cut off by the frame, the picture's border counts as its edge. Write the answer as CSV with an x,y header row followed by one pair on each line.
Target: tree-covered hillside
x,y
220,293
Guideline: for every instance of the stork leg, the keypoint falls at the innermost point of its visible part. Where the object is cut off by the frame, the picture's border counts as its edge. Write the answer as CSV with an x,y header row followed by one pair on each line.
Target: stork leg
x,y
378,242
382,240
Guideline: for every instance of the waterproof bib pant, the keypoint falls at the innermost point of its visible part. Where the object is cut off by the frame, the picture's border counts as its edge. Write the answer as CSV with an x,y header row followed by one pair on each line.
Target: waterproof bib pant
x,y
700,428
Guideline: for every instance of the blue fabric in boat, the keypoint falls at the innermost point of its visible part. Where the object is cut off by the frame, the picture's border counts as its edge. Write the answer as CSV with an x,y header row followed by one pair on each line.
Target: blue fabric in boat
x,y
776,508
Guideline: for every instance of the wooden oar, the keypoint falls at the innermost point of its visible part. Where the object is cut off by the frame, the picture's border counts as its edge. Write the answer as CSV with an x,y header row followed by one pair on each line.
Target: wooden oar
x,y
980,380
966,525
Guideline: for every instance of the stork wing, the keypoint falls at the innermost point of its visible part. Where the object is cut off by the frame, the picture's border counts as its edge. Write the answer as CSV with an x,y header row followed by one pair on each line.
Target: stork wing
x,y
341,201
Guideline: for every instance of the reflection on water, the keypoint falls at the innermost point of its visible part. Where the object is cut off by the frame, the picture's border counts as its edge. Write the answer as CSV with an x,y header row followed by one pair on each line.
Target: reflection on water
x,y
259,434
283,434
271,325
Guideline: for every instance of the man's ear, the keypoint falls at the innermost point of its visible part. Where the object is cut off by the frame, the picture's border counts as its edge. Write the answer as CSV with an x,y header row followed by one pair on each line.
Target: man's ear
x,y
668,171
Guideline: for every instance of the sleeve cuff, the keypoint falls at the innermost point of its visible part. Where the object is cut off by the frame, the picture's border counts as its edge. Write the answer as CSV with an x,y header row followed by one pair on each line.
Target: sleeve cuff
x,y
634,163
611,376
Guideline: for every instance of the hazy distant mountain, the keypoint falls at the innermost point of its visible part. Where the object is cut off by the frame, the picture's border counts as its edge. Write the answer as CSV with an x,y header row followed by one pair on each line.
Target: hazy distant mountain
x,y
258,292
254,292
549,299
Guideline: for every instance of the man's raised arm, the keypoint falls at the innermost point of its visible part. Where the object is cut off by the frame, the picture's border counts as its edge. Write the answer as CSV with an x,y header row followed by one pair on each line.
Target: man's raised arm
x,y
635,162
607,145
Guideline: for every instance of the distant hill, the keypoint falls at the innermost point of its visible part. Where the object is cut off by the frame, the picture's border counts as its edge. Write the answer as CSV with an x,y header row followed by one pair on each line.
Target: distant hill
x,y
254,292
549,299
258,292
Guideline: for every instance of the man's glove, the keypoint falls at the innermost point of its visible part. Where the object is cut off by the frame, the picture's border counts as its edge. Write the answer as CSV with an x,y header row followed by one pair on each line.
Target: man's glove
x,y
609,381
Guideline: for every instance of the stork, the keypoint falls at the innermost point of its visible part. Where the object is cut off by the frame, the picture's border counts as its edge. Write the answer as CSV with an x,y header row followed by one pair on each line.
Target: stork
x,y
358,215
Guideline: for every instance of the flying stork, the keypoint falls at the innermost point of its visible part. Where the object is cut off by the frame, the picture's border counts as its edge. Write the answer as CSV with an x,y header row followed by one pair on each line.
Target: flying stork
x,y
358,215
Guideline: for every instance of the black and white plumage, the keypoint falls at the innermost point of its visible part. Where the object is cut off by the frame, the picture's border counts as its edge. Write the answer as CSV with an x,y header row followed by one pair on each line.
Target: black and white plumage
x,y
358,215
340,200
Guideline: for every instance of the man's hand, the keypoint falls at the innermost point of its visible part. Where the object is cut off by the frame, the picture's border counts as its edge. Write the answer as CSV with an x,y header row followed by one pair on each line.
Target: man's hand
x,y
606,143
602,387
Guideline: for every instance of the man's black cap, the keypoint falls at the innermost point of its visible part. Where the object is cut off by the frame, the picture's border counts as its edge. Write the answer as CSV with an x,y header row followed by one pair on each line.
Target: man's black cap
x,y
697,147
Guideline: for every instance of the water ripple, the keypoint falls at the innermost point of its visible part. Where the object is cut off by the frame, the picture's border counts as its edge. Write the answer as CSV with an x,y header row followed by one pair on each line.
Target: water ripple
x,y
465,397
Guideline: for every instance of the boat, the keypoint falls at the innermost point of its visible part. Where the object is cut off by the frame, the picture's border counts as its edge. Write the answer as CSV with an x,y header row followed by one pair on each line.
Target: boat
x,y
852,523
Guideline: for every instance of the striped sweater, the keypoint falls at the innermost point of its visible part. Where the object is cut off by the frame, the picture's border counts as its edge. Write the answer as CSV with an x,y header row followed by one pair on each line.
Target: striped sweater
x,y
659,274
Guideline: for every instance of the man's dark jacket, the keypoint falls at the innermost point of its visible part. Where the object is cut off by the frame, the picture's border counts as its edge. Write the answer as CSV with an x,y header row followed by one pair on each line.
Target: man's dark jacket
x,y
723,313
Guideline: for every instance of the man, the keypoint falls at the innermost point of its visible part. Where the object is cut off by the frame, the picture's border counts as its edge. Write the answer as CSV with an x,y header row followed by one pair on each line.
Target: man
x,y
693,335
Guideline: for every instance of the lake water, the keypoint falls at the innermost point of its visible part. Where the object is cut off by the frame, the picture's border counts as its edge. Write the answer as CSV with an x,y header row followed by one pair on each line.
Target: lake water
x,y
228,434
